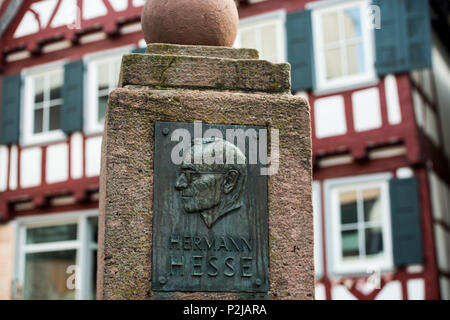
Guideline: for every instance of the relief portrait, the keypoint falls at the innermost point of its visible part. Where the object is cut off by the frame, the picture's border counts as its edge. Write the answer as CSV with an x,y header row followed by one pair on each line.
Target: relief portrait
x,y
210,187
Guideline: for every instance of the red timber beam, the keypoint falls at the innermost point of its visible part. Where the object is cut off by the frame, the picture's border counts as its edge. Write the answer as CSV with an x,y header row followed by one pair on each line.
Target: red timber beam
x,y
38,199
109,23
42,194
359,143
431,277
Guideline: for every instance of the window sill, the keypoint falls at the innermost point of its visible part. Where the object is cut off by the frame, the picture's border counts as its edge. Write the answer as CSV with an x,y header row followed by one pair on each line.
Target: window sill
x,y
44,138
345,86
94,130
362,268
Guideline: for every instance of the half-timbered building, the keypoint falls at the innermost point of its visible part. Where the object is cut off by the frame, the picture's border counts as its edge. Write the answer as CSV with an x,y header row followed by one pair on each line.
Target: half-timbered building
x,y
376,74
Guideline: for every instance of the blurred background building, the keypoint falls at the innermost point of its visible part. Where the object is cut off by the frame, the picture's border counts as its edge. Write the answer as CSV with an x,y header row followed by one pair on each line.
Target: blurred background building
x,y
377,78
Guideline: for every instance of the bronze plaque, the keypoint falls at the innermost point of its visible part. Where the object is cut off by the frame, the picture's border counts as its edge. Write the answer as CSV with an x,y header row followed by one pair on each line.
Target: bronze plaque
x,y
210,219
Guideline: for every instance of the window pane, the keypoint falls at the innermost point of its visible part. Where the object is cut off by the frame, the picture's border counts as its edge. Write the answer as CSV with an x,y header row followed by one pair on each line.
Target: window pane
x,y
248,39
103,76
54,117
372,205
330,27
350,243
352,23
65,232
38,89
355,57
116,72
349,211
102,103
374,241
94,229
38,120
46,277
55,86
269,43
333,63
94,274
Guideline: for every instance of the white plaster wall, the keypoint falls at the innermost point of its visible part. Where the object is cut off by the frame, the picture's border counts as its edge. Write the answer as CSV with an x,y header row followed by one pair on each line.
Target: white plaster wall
x,y
441,70
119,5
341,293
445,288
138,3
93,9
27,26
66,14
366,109
76,155
426,118
3,168
93,155
391,291
329,117
442,239
320,292
57,167
416,289
30,167
432,125
13,168
45,10
418,108
437,198
392,100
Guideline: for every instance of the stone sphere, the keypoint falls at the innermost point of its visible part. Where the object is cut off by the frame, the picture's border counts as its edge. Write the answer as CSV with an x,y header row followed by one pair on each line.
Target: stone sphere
x,y
190,22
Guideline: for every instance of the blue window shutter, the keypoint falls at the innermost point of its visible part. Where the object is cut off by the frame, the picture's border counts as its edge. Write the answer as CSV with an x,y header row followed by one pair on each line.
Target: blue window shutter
x,y
300,49
138,50
418,33
10,109
72,110
403,42
405,217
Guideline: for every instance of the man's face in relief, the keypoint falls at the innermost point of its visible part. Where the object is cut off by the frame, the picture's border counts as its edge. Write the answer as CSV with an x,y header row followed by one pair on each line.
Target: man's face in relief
x,y
199,190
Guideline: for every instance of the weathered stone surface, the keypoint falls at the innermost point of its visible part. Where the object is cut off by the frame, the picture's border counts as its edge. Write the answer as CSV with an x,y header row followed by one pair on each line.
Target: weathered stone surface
x,y
204,73
196,22
182,85
202,51
125,241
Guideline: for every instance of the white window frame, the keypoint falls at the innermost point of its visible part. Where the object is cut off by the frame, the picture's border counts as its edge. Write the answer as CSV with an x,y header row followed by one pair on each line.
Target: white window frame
x,y
83,245
91,125
264,19
324,86
317,212
28,137
336,264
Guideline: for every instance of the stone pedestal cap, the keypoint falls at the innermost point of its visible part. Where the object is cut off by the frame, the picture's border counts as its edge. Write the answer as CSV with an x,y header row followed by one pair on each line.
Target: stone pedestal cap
x,y
204,67
191,22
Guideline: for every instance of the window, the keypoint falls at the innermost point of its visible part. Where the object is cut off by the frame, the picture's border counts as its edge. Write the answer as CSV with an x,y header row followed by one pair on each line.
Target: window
x,y
359,214
343,45
53,252
43,103
264,33
103,73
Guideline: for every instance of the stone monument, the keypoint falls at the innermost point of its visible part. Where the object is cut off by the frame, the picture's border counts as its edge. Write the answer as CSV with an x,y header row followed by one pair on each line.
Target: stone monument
x,y
205,188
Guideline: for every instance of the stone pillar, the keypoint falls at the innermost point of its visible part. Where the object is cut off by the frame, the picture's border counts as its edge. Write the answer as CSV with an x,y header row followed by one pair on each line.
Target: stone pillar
x,y
144,222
